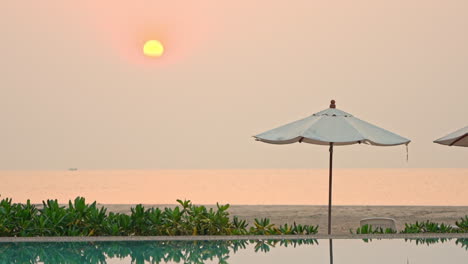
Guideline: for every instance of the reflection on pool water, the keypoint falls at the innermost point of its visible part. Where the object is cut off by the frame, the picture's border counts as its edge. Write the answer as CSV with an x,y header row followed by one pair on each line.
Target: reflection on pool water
x,y
337,251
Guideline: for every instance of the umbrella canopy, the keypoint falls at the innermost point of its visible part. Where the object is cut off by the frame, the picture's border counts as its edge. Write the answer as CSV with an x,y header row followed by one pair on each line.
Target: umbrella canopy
x,y
458,138
331,127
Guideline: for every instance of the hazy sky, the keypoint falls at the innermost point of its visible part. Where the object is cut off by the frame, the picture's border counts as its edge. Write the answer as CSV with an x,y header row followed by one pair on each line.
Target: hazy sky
x,y
75,90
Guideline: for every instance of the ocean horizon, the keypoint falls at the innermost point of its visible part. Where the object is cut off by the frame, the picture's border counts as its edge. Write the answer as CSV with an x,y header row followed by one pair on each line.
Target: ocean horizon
x,y
410,187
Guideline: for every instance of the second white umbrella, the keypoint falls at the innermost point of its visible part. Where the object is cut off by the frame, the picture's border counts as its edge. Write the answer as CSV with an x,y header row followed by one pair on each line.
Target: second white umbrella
x,y
458,138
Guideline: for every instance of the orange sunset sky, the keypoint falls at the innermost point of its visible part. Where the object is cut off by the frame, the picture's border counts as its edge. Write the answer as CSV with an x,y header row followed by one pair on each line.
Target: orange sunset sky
x,y
76,90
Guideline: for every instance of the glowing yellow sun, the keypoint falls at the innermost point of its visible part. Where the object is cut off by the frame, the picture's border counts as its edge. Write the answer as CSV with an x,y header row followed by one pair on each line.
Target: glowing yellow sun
x,y
153,48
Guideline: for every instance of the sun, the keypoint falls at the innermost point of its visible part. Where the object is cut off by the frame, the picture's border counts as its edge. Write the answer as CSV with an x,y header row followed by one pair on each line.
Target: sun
x,y
153,48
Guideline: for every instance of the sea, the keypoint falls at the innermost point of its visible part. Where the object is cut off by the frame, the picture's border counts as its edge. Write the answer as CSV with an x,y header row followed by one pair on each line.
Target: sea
x,y
409,186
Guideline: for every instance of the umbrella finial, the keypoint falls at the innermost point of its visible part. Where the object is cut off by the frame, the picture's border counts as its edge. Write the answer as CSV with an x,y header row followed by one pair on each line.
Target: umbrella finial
x,y
332,104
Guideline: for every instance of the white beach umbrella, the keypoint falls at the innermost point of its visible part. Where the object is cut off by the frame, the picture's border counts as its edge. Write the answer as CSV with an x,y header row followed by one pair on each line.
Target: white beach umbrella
x,y
331,127
457,138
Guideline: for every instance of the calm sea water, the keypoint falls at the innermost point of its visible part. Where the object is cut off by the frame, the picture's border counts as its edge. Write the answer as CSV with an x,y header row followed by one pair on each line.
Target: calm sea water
x,y
337,251
350,186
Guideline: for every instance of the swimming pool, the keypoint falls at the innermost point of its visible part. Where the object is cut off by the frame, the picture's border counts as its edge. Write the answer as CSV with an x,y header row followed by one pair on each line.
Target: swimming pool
x,y
337,251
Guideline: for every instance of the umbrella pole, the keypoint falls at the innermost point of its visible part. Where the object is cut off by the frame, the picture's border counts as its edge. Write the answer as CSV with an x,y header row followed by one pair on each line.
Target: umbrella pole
x,y
330,188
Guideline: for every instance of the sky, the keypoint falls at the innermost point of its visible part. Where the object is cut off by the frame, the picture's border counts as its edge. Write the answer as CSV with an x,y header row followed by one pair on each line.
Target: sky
x,y
76,91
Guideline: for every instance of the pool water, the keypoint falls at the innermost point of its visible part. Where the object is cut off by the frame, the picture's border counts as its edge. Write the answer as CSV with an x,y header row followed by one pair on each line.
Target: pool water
x,y
337,251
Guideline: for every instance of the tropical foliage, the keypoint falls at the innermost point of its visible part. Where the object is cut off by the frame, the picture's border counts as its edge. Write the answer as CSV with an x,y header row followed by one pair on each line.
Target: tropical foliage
x,y
420,227
82,219
369,229
428,227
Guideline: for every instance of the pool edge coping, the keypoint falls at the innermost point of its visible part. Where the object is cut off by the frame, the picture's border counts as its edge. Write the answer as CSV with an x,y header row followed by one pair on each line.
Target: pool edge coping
x,y
224,238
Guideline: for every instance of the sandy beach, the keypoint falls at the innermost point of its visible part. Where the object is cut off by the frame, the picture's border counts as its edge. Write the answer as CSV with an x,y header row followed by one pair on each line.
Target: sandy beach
x,y
344,217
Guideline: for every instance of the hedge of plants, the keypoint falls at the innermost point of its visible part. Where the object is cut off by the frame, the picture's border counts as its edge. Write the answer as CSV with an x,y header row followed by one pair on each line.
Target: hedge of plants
x,y
369,229
419,227
82,219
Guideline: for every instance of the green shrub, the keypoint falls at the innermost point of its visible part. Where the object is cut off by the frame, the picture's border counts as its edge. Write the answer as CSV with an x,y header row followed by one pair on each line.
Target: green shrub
x,y
263,227
462,225
16,219
368,229
82,219
428,227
